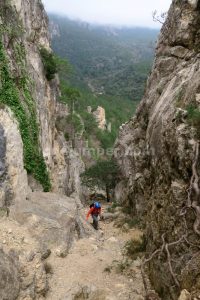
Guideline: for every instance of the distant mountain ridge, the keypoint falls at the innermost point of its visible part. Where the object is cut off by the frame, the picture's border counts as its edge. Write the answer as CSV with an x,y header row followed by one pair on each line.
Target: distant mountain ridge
x,y
107,60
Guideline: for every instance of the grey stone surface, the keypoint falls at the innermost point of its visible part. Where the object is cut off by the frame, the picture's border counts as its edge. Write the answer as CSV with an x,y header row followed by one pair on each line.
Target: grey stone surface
x,y
155,150
2,152
52,219
9,278
15,184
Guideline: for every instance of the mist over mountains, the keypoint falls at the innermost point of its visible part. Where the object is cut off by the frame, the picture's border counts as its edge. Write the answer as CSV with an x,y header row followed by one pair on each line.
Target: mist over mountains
x,y
108,60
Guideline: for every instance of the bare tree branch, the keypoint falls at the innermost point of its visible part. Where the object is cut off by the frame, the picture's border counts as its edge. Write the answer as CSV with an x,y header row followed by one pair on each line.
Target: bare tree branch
x,y
170,264
160,18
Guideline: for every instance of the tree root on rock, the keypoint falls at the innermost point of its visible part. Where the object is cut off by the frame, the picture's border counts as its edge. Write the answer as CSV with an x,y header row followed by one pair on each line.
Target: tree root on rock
x,y
163,249
193,202
194,192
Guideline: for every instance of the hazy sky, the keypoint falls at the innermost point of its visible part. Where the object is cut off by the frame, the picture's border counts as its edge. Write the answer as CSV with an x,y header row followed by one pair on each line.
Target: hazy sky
x,y
115,12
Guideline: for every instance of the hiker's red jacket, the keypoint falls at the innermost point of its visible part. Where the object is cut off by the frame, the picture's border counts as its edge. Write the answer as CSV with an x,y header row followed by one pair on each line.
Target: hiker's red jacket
x,y
93,211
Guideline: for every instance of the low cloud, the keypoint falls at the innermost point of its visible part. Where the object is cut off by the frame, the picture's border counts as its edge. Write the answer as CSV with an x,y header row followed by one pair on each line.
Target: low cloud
x,y
114,12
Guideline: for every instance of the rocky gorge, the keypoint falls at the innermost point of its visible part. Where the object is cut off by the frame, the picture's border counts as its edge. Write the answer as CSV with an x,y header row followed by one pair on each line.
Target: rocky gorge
x,y
41,216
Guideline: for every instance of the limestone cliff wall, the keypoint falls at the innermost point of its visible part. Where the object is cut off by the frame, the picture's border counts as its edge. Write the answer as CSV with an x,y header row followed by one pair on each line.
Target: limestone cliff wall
x,y
100,116
157,151
13,176
24,30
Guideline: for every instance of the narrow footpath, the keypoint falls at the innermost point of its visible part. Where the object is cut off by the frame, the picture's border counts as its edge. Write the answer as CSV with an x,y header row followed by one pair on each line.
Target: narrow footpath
x,y
95,268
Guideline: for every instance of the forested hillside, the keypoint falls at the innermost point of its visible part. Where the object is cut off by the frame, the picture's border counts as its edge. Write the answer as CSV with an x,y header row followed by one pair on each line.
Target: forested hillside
x,y
109,68
110,61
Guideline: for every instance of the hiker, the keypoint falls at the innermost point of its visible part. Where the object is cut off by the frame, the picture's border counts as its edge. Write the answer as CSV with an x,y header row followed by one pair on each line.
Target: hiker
x,y
95,212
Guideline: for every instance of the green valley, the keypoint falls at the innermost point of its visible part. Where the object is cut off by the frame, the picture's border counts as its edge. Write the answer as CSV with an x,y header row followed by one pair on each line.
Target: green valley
x,y
110,67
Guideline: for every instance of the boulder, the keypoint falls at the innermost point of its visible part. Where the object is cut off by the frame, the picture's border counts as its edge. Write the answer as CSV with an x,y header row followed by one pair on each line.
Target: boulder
x,y
185,295
50,218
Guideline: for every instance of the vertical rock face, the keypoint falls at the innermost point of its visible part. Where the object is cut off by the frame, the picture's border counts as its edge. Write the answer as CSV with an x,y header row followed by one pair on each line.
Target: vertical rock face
x,y
13,177
29,20
9,283
157,151
2,166
30,144
100,117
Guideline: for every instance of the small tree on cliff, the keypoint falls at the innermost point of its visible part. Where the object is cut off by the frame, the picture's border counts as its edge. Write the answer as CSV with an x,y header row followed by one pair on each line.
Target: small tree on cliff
x,y
104,174
70,96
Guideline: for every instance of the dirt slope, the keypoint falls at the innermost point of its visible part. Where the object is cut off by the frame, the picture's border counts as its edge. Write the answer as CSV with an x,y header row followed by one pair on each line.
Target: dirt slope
x,y
92,269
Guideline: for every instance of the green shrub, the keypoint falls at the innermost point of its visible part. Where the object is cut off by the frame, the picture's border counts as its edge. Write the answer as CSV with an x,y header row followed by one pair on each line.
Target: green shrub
x,y
75,121
126,210
115,205
106,138
70,96
90,123
134,247
49,62
25,113
193,117
132,222
3,211
103,174
123,265
111,210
